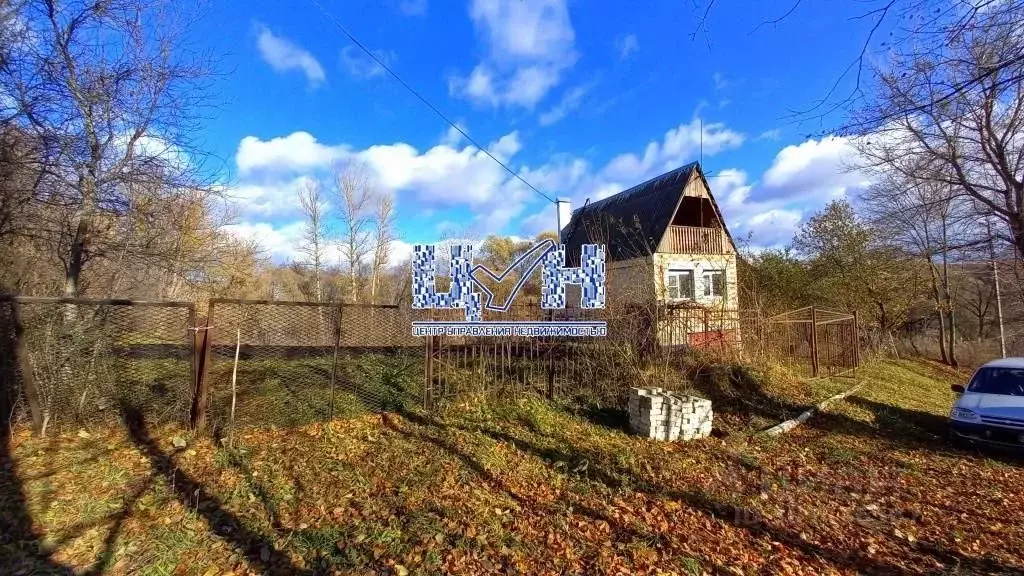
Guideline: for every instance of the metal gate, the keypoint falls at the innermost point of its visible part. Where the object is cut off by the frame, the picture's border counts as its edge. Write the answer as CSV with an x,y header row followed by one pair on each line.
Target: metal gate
x,y
825,342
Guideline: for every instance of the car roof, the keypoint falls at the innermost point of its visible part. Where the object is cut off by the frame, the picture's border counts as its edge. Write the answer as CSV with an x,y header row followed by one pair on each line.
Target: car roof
x,y
1005,363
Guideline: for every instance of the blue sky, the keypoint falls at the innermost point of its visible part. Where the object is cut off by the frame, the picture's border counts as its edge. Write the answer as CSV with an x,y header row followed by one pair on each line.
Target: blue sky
x,y
581,98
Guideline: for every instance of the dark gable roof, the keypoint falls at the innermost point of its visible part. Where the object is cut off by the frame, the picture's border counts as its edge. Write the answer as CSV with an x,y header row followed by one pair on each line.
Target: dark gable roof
x,y
630,223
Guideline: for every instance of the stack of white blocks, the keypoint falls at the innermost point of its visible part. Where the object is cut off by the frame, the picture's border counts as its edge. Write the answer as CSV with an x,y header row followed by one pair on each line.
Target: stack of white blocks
x,y
658,414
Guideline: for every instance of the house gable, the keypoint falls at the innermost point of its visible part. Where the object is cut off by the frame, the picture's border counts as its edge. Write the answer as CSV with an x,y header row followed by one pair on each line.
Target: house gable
x,y
636,222
697,208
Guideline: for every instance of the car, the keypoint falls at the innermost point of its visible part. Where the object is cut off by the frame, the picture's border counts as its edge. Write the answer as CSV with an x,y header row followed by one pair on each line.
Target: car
x,y
990,408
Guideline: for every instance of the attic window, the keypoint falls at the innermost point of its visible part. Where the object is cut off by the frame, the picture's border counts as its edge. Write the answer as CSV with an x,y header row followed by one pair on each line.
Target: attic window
x,y
679,284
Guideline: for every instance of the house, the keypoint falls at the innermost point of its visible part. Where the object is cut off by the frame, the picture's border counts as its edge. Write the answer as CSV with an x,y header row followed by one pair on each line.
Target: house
x,y
666,243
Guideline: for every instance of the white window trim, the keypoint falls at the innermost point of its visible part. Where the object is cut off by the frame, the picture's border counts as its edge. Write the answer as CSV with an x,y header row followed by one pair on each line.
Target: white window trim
x,y
705,277
681,273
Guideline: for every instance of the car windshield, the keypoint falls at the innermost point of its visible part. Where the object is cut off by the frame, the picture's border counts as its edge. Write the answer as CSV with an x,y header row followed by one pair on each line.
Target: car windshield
x,y
1005,381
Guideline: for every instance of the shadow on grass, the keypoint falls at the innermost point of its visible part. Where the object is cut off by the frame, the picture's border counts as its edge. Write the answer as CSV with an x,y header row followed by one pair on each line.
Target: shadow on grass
x,y
294,392
21,550
928,430
618,478
620,533
257,548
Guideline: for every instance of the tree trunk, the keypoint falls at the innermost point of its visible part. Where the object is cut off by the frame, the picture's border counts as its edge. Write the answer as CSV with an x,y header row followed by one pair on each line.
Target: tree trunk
x,y
938,308
951,347
76,256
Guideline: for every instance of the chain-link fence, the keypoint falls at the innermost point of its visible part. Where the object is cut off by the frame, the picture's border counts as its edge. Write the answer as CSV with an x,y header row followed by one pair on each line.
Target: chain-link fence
x,y
643,346
300,362
640,339
70,362
67,362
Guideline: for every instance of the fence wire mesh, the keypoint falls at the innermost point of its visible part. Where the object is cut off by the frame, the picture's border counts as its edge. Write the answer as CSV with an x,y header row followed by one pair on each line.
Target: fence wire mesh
x,y
73,362
640,339
70,362
303,362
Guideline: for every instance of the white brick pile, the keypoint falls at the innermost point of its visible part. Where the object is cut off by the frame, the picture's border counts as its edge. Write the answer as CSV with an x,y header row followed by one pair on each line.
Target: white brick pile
x,y
662,415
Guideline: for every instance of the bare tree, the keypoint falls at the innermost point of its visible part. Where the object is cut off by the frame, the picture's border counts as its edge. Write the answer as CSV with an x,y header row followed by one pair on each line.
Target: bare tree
x,y
900,30
971,142
927,220
110,92
356,190
384,227
314,231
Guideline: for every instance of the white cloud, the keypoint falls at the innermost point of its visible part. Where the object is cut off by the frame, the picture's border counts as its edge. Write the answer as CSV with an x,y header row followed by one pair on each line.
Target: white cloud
x,y
800,181
721,82
773,134
283,55
680,145
825,166
529,46
453,137
413,7
443,175
281,242
274,199
359,65
730,187
627,45
506,146
570,101
454,176
296,152
774,227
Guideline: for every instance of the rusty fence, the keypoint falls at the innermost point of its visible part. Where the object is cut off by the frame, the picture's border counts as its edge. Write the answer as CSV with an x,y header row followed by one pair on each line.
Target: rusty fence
x,y
66,362
69,362
300,362
818,341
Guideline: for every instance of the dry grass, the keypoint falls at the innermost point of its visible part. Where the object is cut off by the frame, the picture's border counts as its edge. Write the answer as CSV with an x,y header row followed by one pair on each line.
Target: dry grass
x,y
531,488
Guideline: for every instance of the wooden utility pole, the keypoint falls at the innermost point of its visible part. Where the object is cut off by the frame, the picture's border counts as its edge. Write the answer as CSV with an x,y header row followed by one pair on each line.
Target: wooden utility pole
x,y
999,299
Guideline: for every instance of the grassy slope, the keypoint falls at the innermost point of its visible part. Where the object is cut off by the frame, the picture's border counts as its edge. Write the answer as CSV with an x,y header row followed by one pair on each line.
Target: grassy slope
x,y
530,488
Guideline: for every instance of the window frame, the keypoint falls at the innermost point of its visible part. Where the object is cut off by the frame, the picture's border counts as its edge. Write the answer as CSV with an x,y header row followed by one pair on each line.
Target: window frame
x,y
707,276
679,274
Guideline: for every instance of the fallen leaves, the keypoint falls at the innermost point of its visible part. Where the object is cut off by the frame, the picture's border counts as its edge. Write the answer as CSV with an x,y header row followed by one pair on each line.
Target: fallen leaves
x,y
528,488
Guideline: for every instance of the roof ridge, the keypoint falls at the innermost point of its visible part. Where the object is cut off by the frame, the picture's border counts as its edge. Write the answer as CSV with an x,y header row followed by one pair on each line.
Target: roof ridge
x,y
637,187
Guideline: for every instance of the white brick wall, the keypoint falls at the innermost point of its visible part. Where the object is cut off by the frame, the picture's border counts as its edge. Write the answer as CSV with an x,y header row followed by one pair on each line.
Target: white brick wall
x,y
661,415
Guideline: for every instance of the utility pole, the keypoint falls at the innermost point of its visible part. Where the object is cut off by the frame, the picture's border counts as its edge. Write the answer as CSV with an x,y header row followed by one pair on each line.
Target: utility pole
x,y
995,280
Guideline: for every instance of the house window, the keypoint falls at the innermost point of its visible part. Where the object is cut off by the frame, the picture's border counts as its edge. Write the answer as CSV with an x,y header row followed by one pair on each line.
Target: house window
x,y
714,283
680,284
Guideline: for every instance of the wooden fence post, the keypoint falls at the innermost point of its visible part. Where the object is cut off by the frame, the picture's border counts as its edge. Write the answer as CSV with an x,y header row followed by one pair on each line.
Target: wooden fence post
x,y
814,342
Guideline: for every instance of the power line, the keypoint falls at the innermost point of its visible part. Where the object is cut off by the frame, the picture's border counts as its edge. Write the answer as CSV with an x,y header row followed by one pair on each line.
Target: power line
x,y
387,69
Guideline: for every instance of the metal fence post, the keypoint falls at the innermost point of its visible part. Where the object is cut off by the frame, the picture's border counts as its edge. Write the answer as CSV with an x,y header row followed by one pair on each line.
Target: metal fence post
x,y
814,342
35,405
856,342
201,342
550,341
334,362
428,366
